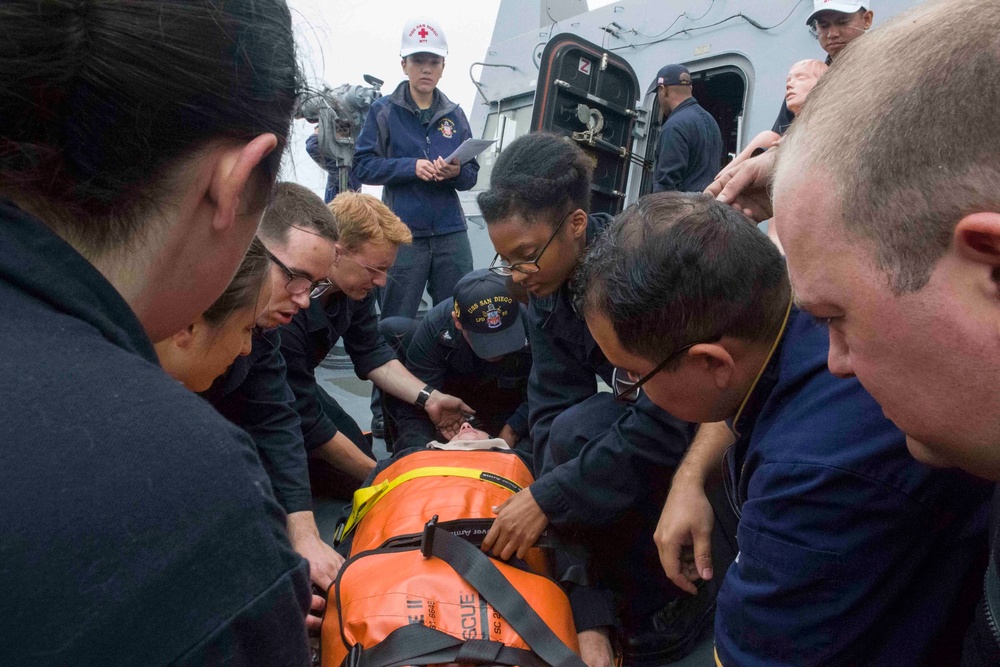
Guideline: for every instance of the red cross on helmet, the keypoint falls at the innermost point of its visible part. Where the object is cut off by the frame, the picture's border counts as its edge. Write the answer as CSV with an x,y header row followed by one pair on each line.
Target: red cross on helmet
x,y
423,36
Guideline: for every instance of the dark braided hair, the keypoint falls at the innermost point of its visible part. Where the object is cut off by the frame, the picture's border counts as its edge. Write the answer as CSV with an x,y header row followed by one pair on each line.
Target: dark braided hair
x,y
538,177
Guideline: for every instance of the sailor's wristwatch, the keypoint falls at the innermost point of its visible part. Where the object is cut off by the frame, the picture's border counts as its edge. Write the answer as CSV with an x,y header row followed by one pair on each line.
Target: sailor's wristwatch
x,y
422,397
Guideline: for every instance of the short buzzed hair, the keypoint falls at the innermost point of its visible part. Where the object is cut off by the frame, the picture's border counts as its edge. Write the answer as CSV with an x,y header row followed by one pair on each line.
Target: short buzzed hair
x,y
675,269
926,151
294,206
361,218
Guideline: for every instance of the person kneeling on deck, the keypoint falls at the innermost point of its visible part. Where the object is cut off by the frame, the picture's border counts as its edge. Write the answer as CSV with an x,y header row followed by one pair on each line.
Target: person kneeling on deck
x,y
473,345
602,467
298,235
340,456
224,338
851,552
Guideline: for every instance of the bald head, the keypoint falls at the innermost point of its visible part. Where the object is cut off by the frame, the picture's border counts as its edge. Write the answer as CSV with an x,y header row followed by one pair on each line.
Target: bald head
x,y
904,130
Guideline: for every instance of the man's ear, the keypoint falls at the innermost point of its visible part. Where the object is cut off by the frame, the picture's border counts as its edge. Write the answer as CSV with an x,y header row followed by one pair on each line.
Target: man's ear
x,y
233,171
454,318
977,239
716,360
338,253
867,18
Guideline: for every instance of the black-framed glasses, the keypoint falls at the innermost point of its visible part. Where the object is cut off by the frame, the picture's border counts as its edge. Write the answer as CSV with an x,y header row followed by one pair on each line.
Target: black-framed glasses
x,y
627,390
299,283
502,267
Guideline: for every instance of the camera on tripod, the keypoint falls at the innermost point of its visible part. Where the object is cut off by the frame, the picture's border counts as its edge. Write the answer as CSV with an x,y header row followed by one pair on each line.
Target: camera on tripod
x,y
338,114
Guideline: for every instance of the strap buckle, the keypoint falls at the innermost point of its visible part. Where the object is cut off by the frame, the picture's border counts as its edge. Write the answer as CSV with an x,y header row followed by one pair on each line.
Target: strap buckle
x,y
427,541
353,658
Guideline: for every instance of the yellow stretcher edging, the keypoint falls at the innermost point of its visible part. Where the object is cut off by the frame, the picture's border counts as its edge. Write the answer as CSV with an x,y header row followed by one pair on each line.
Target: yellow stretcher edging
x,y
366,498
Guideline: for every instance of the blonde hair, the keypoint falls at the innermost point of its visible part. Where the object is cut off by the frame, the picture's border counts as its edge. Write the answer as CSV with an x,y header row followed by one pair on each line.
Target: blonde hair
x,y
362,219
816,68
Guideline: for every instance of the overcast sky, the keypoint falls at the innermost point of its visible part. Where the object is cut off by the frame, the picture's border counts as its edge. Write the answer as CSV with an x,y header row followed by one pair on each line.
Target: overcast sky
x,y
340,40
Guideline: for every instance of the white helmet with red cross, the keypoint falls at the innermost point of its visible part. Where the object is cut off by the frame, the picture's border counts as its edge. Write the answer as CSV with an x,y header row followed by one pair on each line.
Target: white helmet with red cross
x,y
423,36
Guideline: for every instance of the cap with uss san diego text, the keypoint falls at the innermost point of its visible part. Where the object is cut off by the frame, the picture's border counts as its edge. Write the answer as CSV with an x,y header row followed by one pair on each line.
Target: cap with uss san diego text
x,y
489,316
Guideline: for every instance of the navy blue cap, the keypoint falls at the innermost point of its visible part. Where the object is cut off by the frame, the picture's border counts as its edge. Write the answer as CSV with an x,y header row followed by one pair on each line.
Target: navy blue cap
x,y
671,75
490,317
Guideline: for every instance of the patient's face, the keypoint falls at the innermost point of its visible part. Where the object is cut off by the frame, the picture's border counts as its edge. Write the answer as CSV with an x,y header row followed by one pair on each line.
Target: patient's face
x,y
802,78
469,433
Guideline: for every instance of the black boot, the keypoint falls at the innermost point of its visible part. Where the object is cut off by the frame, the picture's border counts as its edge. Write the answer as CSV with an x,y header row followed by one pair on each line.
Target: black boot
x,y
673,631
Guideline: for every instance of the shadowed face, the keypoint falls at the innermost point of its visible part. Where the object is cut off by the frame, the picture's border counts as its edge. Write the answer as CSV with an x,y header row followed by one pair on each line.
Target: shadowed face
x,y
202,352
467,432
931,358
357,272
691,390
836,30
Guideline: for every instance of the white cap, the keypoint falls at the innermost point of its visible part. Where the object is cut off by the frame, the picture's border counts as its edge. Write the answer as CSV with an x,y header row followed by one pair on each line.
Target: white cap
x,y
423,36
836,6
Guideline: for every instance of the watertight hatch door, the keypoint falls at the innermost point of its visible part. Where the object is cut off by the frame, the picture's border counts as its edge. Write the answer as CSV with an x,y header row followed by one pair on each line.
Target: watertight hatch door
x,y
590,94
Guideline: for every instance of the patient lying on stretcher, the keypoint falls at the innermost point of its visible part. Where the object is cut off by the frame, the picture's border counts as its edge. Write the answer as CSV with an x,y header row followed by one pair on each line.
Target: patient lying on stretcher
x,y
468,439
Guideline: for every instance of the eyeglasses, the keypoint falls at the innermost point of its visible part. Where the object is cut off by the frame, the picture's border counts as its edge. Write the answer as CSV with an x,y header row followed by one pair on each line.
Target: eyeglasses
x,y
299,283
370,269
502,267
627,390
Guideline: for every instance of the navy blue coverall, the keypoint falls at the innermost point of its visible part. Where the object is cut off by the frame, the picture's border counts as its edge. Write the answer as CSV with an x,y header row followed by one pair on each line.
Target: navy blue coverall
x,y
392,139
438,354
851,552
254,395
138,527
602,468
305,342
690,152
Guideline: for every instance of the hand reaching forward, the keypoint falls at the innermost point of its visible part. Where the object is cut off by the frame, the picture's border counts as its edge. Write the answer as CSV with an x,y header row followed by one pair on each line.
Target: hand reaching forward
x,y
745,188
595,647
447,412
685,525
517,527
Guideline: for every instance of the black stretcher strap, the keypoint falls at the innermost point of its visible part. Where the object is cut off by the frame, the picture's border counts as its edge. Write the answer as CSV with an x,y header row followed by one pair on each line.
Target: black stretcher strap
x,y
417,644
474,531
476,567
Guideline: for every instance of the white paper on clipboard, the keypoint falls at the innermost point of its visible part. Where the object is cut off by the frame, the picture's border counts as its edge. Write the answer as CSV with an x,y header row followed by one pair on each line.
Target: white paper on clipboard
x,y
469,149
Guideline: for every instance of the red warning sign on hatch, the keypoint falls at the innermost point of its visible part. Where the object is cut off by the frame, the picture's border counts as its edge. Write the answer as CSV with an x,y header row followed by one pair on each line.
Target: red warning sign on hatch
x,y
584,66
